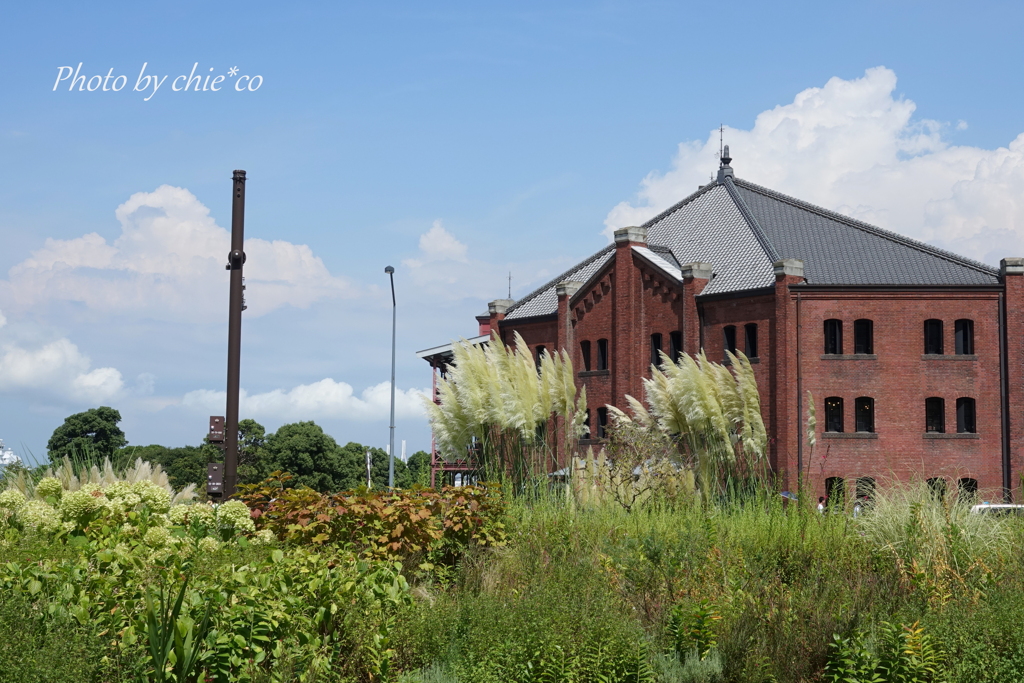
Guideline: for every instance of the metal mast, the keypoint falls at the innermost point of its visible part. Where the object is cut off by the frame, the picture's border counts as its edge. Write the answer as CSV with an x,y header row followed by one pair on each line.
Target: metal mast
x,y
237,304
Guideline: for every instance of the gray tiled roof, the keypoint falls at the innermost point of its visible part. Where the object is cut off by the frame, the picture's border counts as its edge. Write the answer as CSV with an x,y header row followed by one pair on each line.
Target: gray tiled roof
x,y
709,226
839,250
741,229
544,300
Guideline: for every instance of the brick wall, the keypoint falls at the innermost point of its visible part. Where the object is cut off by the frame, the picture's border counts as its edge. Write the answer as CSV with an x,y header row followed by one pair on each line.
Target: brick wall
x,y
629,300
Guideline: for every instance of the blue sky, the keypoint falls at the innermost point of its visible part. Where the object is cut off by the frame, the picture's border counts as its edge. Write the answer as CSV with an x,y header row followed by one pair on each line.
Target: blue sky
x,y
456,141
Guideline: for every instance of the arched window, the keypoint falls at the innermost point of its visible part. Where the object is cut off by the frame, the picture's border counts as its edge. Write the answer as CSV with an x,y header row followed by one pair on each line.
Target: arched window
x,y
833,336
585,353
937,487
750,340
656,349
866,488
863,336
676,350
933,336
835,489
967,490
602,354
864,411
586,423
964,337
730,338
965,416
934,415
833,414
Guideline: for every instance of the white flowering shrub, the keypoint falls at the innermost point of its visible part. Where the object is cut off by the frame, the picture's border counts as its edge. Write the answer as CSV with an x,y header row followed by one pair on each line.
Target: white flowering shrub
x,y
49,487
157,537
12,500
208,545
39,516
235,514
78,506
264,537
154,497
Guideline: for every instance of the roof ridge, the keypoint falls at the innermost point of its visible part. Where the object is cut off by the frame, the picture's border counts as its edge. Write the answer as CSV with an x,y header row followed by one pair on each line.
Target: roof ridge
x,y
873,229
543,288
748,215
686,200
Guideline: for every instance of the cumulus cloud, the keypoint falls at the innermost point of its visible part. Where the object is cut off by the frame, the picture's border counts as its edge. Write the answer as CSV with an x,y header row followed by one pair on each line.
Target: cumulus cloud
x,y
168,263
56,370
324,399
442,268
854,147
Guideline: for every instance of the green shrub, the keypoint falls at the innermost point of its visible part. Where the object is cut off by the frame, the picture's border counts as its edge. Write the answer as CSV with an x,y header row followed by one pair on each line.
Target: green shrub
x,y
37,648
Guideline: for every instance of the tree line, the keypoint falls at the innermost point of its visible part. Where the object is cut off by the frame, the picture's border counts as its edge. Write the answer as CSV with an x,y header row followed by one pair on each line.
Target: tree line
x,y
303,449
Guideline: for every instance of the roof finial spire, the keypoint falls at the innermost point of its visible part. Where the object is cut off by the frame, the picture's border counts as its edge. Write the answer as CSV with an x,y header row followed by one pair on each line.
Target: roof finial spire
x,y
724,169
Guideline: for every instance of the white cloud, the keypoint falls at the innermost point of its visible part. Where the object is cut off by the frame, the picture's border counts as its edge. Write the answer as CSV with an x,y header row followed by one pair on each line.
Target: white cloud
x,y
57,370
437,244
168,263
853,147
444,270
324,399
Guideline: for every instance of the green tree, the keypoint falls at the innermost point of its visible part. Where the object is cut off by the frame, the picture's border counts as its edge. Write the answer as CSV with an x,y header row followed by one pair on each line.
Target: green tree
x,y
356,454
419,468
252,466
184,465
312,457
88,437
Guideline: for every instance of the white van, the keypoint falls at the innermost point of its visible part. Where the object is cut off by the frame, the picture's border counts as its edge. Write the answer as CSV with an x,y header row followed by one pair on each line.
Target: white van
x,y
998,510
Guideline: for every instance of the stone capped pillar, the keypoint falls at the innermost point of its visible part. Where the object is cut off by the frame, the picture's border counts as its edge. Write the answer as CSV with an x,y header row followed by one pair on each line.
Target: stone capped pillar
x,y
496,310
785,431
696,277
565,291
627,355
1011,272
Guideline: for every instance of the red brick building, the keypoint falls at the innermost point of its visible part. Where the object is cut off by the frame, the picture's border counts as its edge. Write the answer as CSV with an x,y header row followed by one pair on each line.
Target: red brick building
x,y
914,355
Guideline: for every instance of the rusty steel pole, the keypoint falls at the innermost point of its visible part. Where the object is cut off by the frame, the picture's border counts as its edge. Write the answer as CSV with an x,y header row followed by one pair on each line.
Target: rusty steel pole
x,y
237,304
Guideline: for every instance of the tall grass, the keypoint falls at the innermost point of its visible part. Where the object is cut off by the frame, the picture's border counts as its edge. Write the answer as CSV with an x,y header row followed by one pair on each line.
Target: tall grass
x,y
711,413
74,473
505,411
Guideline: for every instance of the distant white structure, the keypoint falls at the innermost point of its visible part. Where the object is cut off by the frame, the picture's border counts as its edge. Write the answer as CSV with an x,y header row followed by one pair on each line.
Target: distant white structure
x,y
7,456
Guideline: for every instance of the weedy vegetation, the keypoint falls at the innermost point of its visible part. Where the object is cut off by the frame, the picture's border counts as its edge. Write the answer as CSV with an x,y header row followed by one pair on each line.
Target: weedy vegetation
x,y
664,555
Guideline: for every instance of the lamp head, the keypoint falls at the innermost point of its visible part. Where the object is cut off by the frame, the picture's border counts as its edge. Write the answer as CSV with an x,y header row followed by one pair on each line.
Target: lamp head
x,y
389,270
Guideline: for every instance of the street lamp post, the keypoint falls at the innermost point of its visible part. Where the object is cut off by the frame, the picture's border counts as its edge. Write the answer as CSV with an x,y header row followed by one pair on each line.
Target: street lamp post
x,y
394,322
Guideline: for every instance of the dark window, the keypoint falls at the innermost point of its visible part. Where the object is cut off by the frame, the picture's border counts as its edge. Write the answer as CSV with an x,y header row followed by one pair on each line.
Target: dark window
x,y
602,354
864,409
866,488
730,338
833,414
934,415
965,416
540,355
585,353
750,340
863,336
833,336
602,422
964,337
586,423
835,489
967,490
656,349
937,487
676,339
933,336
